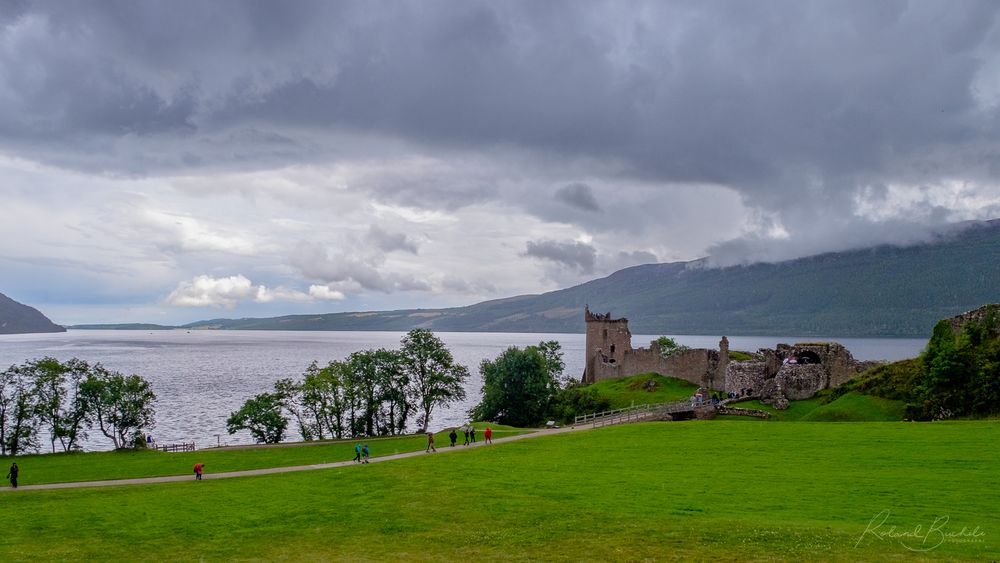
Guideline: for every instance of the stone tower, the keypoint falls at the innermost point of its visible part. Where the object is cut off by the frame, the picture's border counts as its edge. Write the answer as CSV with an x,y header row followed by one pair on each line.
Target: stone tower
x,y
607,340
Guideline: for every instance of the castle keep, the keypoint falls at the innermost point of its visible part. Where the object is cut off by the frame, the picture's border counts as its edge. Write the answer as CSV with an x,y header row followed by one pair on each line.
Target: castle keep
x,y
787,372
610,355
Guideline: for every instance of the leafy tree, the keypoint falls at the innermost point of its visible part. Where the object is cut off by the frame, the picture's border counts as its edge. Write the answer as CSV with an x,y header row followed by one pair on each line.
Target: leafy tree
x,y
121,405
60,405
519,385
576,399
289,394
262,416
376,392
435,379
18,423
669,346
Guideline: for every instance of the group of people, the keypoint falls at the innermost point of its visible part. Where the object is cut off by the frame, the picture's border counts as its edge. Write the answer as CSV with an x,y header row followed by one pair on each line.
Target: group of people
x,y
469,431
361,453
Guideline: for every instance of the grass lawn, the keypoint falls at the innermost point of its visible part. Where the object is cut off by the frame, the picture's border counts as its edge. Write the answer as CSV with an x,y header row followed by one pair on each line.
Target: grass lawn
x,y
643,492
93,466
851,407
629,391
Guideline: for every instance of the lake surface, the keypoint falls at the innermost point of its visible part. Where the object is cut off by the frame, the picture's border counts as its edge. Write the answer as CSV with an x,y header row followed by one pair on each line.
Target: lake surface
x,y
201,376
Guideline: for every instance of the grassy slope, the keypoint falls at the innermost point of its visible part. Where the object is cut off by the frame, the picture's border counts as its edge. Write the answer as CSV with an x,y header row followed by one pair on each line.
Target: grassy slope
x,y
629,390
852,407
776,491
63,468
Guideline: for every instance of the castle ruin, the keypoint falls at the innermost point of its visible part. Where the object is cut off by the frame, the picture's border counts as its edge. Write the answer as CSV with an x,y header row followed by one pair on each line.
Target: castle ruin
x,y
787,372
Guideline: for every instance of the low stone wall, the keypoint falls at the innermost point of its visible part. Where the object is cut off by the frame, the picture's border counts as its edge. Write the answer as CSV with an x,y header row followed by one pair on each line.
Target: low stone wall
x,y
739,411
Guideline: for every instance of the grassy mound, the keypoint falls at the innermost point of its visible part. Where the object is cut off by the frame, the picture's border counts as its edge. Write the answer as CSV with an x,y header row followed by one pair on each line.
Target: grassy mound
x,y
642,389
855,407
789,492
850,407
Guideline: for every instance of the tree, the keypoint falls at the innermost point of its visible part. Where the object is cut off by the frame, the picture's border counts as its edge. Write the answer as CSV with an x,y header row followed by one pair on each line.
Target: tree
x,y
121,405
435,379
376,390
669,346
60,405
518,386
324,396
289,395
262,416
18,423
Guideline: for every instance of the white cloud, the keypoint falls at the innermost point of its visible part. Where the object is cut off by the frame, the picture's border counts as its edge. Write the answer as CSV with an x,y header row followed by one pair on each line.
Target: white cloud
x,y
324,292
227,292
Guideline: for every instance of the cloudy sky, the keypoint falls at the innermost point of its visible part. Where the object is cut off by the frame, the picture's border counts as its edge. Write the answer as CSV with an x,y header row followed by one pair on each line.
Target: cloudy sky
x,y
175,161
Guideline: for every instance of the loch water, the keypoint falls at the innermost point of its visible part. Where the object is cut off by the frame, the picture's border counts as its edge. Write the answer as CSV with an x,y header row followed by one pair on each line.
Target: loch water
x,y
201,376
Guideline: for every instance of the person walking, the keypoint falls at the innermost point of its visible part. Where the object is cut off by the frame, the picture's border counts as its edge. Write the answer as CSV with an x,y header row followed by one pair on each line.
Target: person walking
x,y
465,430
198,468
488,434
472,433
364,452
357,452
12,474
453,437
430,442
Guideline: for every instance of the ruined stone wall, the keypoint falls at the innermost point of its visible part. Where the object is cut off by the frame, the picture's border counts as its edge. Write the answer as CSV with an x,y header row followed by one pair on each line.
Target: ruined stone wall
x,y
695,365
958,322
745,375
798,382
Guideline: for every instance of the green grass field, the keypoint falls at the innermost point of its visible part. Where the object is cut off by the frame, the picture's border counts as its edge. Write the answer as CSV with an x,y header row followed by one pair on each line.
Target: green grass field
x,y
643,492
93,466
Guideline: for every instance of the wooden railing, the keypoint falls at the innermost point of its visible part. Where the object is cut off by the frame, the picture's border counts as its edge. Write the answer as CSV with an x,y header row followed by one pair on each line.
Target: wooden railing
x,y
173,448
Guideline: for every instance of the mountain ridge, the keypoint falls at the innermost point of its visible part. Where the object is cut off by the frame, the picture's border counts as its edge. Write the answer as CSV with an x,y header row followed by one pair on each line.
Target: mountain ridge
x,y
878,291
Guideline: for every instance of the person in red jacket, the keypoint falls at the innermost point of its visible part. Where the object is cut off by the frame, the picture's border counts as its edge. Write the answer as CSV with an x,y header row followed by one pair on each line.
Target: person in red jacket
x,y
488,434
198,467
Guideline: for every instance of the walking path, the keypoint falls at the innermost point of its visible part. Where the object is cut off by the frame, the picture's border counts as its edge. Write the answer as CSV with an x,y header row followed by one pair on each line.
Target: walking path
x,y
270,470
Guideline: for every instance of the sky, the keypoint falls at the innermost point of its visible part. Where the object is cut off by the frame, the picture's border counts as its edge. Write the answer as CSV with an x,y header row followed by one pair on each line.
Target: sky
x,y
174,161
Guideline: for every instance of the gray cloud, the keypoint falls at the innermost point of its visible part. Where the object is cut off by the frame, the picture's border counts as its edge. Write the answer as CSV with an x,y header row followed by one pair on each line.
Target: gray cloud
x,y
749,131
576,255
579,196
388,242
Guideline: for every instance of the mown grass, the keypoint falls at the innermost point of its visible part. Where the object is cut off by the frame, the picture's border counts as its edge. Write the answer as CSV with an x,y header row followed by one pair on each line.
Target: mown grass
x,y
646,492
629,391
851,407
93,466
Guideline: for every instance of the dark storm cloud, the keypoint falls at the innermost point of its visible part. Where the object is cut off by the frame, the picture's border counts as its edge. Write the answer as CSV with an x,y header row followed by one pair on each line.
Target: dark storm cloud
x,y
579,196
801,107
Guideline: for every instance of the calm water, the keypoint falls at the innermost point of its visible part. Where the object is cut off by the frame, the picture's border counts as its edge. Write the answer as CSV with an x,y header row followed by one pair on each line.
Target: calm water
x,y
201,376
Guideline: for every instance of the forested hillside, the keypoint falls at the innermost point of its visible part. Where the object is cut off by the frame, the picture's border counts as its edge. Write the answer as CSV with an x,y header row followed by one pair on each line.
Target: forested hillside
x,y
882,291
